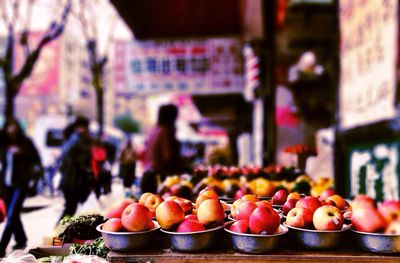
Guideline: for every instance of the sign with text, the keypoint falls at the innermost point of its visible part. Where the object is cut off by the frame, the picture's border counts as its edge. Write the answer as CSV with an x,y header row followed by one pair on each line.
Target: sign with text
x,y
368,54
374,169
178,65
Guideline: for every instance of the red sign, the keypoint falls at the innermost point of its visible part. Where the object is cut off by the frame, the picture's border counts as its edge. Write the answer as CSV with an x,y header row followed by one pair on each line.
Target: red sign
x,y
45,76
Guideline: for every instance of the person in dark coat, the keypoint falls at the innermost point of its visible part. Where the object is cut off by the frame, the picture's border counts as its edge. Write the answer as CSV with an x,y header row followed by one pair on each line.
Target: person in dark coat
x,y
20,161
162,156
77,176
127,162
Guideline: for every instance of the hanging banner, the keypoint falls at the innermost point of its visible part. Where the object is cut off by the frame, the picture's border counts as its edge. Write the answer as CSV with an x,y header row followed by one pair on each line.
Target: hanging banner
x,y
199,65
368,54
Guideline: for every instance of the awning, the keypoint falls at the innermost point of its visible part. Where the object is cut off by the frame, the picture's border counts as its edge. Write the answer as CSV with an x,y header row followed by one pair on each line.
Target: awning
x,y
152,19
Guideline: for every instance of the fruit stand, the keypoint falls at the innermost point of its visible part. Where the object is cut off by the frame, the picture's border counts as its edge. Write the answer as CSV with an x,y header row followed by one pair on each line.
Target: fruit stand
x,y
264,236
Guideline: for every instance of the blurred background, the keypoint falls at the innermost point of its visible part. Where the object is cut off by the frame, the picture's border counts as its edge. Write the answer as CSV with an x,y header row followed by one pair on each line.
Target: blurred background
x,y
250,78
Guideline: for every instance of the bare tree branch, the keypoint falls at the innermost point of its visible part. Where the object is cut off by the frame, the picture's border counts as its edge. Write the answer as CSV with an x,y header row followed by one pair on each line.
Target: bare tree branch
x,y
24,41
54,31
4,14
8,66
15,13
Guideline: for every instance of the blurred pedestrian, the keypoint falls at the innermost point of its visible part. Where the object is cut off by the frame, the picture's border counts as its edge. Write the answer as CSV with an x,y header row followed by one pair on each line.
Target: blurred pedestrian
x,y
77,175
20,162
162,156
101,169
127,167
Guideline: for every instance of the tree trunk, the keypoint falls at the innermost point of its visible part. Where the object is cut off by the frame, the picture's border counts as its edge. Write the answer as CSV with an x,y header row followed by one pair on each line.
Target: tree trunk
x,y
100,110
9,106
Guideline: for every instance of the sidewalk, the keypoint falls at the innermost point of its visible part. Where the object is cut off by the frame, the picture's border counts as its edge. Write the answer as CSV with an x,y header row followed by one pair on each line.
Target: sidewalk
x,y
39,224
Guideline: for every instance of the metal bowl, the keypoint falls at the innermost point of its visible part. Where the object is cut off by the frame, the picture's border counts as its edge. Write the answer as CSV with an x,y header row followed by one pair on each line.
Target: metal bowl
x,y
193,241
255,244
128,241
230,218
317,239
377,243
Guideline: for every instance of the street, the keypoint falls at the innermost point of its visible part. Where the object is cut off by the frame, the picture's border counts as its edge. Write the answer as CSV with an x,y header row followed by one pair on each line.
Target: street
x,y
39,224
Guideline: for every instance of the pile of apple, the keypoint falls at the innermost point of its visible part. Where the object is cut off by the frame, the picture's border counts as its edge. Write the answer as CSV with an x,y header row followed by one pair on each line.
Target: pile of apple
x,y
130,215
207,213
324,213
135,217
254,216
372,218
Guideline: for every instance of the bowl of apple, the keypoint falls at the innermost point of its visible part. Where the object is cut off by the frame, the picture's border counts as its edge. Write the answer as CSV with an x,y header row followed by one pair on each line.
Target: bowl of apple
x,y
134,231
192,232
314,226
260,233
377,229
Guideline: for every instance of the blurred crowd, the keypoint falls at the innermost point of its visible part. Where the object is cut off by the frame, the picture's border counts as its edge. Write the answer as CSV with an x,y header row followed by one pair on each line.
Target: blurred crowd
x,y
85,167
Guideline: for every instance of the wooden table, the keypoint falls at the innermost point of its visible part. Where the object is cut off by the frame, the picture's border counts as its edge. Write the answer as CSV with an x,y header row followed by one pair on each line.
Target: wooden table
x,y
167,255
288,251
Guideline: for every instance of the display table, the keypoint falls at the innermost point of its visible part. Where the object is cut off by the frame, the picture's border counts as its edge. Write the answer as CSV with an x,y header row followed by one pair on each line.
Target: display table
x,y
222,252
167,255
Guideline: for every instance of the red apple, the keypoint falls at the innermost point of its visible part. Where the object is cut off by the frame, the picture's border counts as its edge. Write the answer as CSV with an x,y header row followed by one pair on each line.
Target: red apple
x,y
328,217
264,203
192,217
390,210
288,205
245,210
393,228
152,202
169,214
136,217
235,206
143,197
241,226
339,201
211,213
209,194
309,202
280,197
116,210
327,202
366,218
294,195
240,193
208,188
363,200
185,204
264,220
327,193
250,197
300,217
113,225
188,225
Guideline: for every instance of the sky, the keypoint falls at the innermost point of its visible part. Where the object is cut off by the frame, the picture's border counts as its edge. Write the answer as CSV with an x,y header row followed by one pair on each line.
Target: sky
x,y
45,11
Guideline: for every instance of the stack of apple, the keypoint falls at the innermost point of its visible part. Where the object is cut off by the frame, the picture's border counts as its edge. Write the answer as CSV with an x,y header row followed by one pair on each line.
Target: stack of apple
x,y
324,214
174,214
370,218
254,216
134,218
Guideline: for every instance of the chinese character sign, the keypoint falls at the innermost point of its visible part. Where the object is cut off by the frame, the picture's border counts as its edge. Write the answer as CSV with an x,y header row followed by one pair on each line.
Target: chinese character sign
x,y
368,53
179,65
